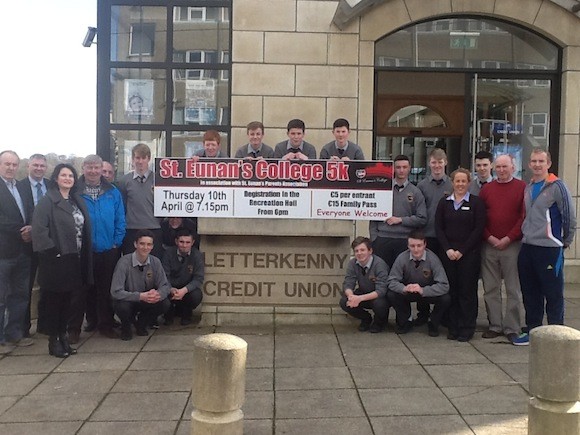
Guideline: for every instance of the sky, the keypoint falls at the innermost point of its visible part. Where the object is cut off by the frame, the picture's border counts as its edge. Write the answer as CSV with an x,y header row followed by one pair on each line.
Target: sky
x,y
47,78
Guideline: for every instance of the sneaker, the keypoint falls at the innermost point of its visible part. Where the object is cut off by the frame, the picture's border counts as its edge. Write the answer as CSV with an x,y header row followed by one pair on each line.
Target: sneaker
x,y
521,340
405,328
433,330
23,342
126,333
491,334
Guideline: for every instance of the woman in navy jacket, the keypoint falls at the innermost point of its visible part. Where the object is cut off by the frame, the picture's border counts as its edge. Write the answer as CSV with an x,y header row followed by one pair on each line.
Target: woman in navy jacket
x,y
459,224
61,234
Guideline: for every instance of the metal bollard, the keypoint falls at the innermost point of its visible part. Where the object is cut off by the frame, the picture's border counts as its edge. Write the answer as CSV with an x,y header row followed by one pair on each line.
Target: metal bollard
x,y
219,382
554,407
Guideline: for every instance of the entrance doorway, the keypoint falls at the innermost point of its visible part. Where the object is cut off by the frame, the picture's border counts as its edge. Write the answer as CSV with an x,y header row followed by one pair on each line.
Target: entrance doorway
x,y
465,84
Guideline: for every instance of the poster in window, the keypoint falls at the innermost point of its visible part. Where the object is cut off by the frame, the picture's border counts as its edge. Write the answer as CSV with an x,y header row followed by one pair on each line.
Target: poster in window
x,y
200,93
139,100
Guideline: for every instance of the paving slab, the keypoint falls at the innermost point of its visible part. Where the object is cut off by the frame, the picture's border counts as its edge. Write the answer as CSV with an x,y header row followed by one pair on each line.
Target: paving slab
x,y
258,405
51,408
166,342
519,372
498,399
459,375
77,383
7,401
163,360
324,426
503,352
151,381
446,352
99,344
84,362
141,407
129,428
259,379
318,404
391,377
421,424
308,356
313,378
45,428
498,424
383,356
19,385
29,364
406,401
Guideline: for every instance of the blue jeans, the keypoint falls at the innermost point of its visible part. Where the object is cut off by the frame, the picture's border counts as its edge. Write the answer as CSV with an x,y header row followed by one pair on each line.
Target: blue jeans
x,y
14,297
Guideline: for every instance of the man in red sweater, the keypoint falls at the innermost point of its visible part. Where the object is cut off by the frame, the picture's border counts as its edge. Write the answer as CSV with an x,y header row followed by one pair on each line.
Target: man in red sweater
x,y
504,201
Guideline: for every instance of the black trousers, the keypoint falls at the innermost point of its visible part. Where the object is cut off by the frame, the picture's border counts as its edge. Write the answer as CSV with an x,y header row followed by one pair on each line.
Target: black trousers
x,y
28,314
423,307
389,248
380,307
56,314
128,311
187,304
463,275
99,305
401,302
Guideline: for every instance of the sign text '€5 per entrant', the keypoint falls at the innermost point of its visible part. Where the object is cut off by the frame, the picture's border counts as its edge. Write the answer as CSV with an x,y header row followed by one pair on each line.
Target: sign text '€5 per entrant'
x,y
313,189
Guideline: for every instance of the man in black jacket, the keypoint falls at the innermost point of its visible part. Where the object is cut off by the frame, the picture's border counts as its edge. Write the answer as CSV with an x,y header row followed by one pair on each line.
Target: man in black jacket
x,y
15,238
184,267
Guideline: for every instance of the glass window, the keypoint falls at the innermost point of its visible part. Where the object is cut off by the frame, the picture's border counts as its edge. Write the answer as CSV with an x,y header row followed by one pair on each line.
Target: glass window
x,y
187,143
203,30
142,39
123,141
199,98
466,43
138,33
137,96
416,116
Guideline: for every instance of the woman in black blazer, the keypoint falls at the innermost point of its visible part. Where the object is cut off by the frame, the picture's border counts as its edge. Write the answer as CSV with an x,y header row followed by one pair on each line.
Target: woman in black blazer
x,y
61,234
459,224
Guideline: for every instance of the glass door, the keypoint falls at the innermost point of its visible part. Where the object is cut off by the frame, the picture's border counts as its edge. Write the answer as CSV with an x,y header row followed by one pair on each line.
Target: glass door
x,y
510,116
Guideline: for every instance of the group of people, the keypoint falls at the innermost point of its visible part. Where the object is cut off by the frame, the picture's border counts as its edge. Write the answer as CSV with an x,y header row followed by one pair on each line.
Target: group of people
x,y
447,232
442,236
295,148
73,231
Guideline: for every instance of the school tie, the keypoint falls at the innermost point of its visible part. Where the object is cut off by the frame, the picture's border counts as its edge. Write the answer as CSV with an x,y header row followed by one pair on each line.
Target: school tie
x,y
340,151
39,193
417,263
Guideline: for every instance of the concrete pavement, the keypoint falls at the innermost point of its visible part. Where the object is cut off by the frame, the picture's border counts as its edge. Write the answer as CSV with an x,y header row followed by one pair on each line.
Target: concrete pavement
x,y
301,379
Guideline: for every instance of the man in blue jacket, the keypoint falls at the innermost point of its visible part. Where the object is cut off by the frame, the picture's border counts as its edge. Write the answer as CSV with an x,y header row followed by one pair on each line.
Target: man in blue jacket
x,y
105,206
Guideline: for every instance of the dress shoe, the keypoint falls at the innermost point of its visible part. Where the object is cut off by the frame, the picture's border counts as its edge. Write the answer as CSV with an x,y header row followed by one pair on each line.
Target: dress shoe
x,y
376,327
463,338
185,321
451,336
109,333
433,330
55,347
364,326
405,328
491,334
126,333
73,337
420,321
141,326
66,345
